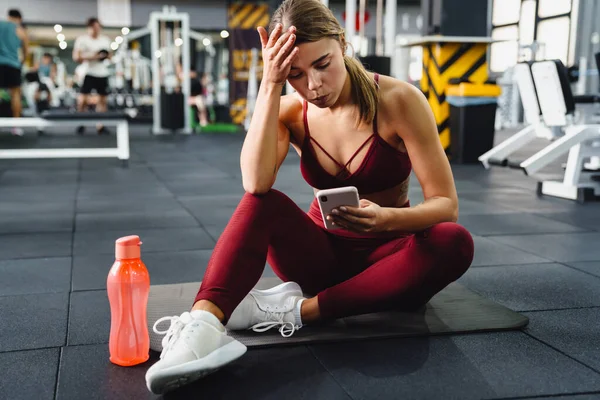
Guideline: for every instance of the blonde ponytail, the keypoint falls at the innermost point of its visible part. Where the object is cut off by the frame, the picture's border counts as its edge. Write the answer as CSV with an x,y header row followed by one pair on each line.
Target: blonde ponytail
x,y
364,91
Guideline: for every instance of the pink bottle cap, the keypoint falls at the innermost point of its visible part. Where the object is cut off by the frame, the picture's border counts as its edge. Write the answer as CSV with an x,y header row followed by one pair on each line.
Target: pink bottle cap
x,y
128,247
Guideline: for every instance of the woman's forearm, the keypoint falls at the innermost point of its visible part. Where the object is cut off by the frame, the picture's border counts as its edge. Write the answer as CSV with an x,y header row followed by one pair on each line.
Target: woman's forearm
x,y
413,219
259,153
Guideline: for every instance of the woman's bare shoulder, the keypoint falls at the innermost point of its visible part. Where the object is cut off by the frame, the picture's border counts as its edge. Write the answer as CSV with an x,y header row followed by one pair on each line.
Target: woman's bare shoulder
x,y
397,94
290,108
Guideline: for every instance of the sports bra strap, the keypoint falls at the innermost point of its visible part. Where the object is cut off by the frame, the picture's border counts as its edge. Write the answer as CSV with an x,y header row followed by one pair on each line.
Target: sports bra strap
x,y
375,131
357,151
305,118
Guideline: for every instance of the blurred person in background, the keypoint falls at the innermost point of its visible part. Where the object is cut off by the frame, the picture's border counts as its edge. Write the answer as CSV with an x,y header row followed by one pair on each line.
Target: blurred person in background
x,y
12,39
90,50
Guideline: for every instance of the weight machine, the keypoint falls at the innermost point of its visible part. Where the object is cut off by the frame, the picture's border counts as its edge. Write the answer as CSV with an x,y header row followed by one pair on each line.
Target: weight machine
x,y
546,84
170,36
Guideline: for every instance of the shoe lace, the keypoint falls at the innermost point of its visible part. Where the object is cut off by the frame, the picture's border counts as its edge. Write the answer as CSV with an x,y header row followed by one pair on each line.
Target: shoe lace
x,y
275,319
173,332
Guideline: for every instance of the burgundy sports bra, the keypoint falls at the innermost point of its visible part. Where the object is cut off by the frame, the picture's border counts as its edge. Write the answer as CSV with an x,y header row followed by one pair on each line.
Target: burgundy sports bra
x,y
382,168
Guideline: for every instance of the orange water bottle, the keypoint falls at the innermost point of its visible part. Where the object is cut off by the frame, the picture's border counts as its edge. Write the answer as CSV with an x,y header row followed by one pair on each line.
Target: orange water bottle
x,y
128,286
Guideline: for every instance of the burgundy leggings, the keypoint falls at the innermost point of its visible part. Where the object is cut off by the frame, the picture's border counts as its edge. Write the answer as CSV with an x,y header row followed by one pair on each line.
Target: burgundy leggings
x,y
349,275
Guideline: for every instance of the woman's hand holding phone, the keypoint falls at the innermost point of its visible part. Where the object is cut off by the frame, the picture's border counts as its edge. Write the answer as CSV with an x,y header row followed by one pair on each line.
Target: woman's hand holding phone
x,y
367,218
342,208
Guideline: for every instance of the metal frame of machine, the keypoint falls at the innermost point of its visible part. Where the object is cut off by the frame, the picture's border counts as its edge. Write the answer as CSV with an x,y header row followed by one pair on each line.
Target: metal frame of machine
x,y
163,59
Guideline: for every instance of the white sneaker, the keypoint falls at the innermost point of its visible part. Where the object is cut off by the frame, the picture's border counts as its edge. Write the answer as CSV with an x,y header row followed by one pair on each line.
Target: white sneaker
x,y
262,310
196,344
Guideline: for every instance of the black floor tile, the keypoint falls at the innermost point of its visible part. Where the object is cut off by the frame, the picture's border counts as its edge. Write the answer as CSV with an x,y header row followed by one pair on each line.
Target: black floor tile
x,y
591,396
591,267
89,318
33,222
490,252
206,207
155,205
35,275
467,186
513,224
35,245
29,374
134,221
574,332
206,187
36,206
289,373
217,215
33,321
469,207
473,366
135,160
215,231
37,194
116,175
90,272
139,191
192,175
167,239
534,286
24,177
585,217
558,247
524,201
87,373
46,164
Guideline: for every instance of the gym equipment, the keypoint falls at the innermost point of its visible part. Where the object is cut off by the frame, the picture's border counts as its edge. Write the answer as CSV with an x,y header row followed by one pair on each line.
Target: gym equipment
x,y
454,310
66,119
569,133
581,140
535,128
170,35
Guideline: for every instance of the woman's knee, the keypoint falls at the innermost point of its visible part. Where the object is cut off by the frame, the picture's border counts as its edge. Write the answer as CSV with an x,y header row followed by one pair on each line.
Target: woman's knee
x,y
453,243
263,203
270,198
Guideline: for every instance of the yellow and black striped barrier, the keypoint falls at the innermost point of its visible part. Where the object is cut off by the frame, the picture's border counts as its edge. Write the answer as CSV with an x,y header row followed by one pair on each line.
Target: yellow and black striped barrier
x,y
243,19
238,111
248,15
443,61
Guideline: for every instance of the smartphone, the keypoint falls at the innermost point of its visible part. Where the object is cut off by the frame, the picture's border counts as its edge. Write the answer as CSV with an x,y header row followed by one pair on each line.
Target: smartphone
x,y
333,198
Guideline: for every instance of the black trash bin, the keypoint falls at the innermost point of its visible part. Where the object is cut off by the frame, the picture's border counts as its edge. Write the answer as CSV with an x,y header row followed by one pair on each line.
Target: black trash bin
x,y
472,120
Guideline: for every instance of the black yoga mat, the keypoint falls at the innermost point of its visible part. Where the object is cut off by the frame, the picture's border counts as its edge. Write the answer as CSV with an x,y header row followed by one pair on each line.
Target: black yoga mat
x,y
455,309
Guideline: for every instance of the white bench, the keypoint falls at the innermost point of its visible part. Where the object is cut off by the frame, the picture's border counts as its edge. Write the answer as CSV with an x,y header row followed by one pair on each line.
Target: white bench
x,y
72,120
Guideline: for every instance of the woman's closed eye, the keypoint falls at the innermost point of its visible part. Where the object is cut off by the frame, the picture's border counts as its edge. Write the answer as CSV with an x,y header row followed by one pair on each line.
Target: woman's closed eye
x,y
319,67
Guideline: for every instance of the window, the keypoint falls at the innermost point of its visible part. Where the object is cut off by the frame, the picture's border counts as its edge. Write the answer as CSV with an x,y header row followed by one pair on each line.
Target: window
x,y
517,24
506,33
504,53
548,8
554,34
527,22
506,12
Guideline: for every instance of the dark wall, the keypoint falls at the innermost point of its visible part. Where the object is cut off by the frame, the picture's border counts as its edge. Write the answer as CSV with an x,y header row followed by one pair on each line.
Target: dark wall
x,y
204,15
66,12
455,17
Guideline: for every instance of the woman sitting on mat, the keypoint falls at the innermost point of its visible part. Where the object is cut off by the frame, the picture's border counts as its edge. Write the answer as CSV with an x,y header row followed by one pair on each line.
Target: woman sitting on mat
x,y
350,128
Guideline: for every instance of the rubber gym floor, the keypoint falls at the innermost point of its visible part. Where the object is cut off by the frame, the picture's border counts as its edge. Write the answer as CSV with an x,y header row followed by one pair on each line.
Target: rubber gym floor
x,y
59,220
